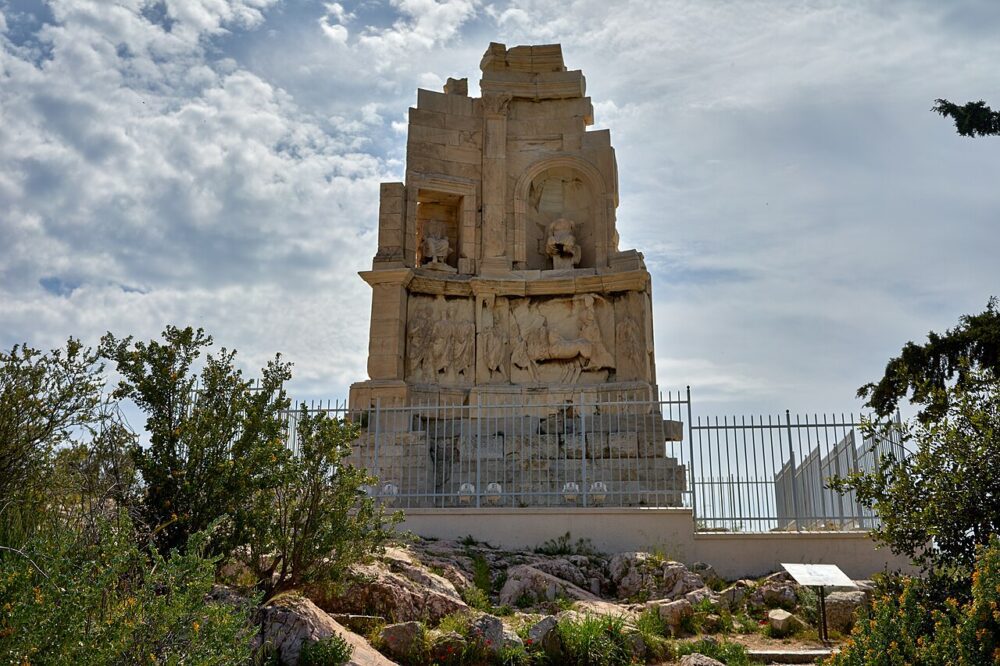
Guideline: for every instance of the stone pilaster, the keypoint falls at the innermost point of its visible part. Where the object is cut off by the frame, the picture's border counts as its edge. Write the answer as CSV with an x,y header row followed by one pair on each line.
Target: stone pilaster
x,y
495,257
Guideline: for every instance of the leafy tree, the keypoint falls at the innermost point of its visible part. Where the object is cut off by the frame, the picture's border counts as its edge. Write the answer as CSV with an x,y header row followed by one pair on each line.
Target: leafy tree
x,y
320,519
925,370
215,439
939,503
47,400
972,118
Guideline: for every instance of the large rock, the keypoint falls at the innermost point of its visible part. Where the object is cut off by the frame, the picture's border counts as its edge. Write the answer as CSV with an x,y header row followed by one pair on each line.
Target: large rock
x,y
576,569
447,647
707,573
841,609
290,622
399,591
527,582
783,623
404,640
490,630
774,594
673,613
698,659
637,574
543,635
732,597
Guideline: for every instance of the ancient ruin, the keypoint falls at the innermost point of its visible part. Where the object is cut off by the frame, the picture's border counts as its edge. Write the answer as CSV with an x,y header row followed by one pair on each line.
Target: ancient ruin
x,y
499,281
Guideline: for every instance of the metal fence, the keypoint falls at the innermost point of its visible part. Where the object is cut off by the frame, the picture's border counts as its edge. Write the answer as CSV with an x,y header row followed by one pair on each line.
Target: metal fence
x,y
771,473
619,449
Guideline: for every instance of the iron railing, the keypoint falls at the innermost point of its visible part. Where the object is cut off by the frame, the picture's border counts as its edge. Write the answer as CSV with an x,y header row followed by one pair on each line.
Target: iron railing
x,y
738,474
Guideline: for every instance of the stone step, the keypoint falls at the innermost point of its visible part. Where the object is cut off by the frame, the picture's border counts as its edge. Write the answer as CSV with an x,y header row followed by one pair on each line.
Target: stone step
x,y
791,656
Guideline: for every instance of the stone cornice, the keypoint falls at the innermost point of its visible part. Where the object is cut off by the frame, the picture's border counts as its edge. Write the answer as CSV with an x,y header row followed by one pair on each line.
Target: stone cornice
x,y
391,276
427,282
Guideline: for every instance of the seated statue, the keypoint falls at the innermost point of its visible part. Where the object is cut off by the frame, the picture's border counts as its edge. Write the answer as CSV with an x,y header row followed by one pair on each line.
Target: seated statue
x,y
561,244
434,247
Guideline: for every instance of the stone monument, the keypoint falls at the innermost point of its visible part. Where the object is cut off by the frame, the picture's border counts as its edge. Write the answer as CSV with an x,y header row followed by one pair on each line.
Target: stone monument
x,y
498,278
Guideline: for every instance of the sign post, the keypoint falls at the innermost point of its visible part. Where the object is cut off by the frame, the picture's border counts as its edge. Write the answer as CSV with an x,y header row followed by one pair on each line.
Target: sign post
x,y
820,577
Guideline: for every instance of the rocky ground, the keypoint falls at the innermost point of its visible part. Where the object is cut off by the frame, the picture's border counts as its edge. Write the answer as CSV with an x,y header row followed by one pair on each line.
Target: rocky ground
x,y
465,602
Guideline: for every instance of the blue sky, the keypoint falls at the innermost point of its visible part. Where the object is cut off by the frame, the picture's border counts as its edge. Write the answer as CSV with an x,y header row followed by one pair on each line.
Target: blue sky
x,y
216,162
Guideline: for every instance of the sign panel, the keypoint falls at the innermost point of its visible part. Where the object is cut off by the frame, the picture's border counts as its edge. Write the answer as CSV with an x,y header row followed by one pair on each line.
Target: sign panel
x,y
825,575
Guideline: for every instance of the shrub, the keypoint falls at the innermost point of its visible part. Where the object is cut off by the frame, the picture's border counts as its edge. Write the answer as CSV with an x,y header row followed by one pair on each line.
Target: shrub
x,y
594,640
910,628
564,545
46,400
314,520
215,438
331,651
73,597
732,654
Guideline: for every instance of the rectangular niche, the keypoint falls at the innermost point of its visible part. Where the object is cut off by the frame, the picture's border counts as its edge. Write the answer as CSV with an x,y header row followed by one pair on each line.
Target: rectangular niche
x,y
438,217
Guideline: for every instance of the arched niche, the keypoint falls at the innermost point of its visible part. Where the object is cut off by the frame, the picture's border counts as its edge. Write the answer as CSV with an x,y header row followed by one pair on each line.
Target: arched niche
x,y
562,186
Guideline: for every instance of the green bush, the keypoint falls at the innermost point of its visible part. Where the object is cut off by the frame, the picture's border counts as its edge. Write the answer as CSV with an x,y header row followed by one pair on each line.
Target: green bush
x,y
564,545
331,651
909,628
732,654
314,521
95,597
594,640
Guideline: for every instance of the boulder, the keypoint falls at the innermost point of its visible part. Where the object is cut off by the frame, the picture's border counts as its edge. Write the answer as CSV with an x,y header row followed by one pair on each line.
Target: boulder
x,y
447,647
403,640
774,594
707,573
410,593
698,659
732,597
841,608
637,574
543,635
674,612
490,630
290,622
783,623
711,623
524,581
702,594
576,569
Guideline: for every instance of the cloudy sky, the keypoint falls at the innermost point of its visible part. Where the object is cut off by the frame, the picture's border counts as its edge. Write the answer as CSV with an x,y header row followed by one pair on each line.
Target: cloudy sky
x,y
216,162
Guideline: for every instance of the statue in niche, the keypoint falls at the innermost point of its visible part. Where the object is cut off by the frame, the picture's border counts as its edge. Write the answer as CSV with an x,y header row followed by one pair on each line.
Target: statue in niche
x,y
561,245
435,247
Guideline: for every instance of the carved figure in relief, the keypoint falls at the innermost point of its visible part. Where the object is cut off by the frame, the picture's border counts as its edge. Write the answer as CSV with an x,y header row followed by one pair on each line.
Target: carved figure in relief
x,y
561,245
435,247
463,335
495,348
631,350
418,340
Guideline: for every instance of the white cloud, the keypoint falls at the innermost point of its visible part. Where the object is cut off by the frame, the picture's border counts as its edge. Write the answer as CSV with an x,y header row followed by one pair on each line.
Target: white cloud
x,y
215,162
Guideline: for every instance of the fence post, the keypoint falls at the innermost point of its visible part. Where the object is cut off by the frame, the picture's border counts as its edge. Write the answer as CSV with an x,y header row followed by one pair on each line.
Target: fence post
x,y
694,485
791,453
583,444
376,471
479,439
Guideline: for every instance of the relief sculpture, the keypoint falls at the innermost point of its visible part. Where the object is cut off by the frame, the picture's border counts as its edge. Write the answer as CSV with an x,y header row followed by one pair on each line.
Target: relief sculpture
x,y
440,342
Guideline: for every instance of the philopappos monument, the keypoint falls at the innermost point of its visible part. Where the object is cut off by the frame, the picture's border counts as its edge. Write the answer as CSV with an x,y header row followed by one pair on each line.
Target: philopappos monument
x,y
498,268
499,280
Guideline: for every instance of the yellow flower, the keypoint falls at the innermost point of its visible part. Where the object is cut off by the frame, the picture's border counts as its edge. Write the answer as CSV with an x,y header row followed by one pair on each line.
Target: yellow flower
x,y
196,626
39,597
